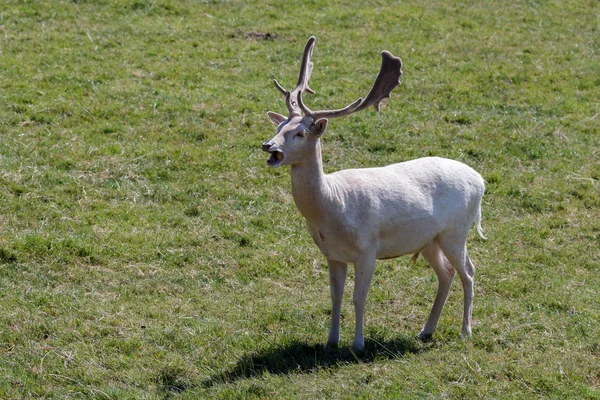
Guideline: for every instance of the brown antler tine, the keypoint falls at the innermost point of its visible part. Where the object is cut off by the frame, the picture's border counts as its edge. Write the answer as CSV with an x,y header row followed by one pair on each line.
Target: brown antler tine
x,y
279,87
302,106
306,67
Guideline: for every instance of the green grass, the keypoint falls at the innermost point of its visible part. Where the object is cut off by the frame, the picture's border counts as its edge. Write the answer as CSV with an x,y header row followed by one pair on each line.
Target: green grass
x,y
146,251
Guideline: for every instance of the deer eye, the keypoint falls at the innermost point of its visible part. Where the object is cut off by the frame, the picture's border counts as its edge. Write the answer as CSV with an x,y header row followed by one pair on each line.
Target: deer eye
x,y
299,134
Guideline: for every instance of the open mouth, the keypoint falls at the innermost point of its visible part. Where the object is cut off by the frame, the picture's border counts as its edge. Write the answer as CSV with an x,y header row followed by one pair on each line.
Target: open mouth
x,y
276,158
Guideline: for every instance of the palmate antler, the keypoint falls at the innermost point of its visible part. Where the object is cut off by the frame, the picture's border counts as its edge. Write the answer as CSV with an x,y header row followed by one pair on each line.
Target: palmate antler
x,y
386,81
291,98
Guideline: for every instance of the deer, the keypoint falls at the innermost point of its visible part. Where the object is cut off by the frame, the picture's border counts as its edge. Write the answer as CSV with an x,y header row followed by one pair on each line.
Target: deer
x,y
424,206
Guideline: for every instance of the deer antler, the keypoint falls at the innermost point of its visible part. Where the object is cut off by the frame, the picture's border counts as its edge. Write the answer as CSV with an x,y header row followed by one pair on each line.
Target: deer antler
x,y
291,98
386,81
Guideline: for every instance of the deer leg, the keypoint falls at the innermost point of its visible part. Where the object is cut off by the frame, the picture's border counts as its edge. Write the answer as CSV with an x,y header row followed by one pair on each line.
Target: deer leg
x,y
468,283
470,267
337,278
445,274
456,252
364,268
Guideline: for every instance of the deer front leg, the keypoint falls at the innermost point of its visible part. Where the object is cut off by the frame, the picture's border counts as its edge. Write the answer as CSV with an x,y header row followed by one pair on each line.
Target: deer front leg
x,y
337,279
364,268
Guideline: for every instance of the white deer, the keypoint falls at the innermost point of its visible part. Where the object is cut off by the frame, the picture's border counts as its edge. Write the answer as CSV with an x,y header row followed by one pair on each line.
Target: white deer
x,y
424,206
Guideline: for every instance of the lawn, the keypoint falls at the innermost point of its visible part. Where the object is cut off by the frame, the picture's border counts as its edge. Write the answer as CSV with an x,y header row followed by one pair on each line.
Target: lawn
x,y
148,252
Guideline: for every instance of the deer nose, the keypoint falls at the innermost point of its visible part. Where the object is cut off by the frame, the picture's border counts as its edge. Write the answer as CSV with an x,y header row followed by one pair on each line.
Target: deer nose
x,y
267,146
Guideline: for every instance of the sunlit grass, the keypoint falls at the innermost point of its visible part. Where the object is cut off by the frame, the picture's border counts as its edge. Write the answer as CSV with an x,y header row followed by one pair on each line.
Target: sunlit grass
x,y
146,251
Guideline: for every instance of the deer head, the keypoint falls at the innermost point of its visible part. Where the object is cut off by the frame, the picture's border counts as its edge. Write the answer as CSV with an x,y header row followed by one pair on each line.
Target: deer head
x,y
298,133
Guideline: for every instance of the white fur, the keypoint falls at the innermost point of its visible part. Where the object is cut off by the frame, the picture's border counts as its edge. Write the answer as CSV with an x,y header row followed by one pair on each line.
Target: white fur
x,y
424,206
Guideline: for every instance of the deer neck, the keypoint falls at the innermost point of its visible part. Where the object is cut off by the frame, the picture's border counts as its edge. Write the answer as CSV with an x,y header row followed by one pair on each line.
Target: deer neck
x,y
309,186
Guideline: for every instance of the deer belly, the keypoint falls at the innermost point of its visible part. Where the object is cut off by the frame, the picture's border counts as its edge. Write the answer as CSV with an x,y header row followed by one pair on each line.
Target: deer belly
x,y
402,242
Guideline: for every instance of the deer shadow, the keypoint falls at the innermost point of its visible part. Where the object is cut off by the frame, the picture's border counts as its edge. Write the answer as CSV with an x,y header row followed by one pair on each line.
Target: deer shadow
x,y
300,357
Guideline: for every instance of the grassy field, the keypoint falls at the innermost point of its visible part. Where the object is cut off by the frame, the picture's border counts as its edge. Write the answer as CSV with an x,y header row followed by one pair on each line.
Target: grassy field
x,y
146,251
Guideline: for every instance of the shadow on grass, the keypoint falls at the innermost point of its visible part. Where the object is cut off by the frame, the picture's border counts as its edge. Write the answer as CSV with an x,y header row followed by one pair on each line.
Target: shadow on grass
x,y
300,357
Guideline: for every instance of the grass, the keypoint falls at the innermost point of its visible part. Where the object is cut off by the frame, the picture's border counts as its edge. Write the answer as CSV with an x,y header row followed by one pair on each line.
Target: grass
x,y
146,251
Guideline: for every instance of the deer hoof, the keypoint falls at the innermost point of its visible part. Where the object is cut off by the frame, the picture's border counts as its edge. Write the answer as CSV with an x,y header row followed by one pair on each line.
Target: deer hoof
x,y
425,336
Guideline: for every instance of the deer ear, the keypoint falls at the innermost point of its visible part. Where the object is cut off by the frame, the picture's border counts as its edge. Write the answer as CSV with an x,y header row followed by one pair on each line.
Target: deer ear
x,y
277,119
318,127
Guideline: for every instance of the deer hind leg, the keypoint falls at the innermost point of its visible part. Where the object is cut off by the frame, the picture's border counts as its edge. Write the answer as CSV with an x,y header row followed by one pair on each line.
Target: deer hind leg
x,y
445,273
455,249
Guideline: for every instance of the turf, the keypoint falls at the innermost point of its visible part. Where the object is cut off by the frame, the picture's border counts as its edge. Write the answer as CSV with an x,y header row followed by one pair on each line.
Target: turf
x,y
146,251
